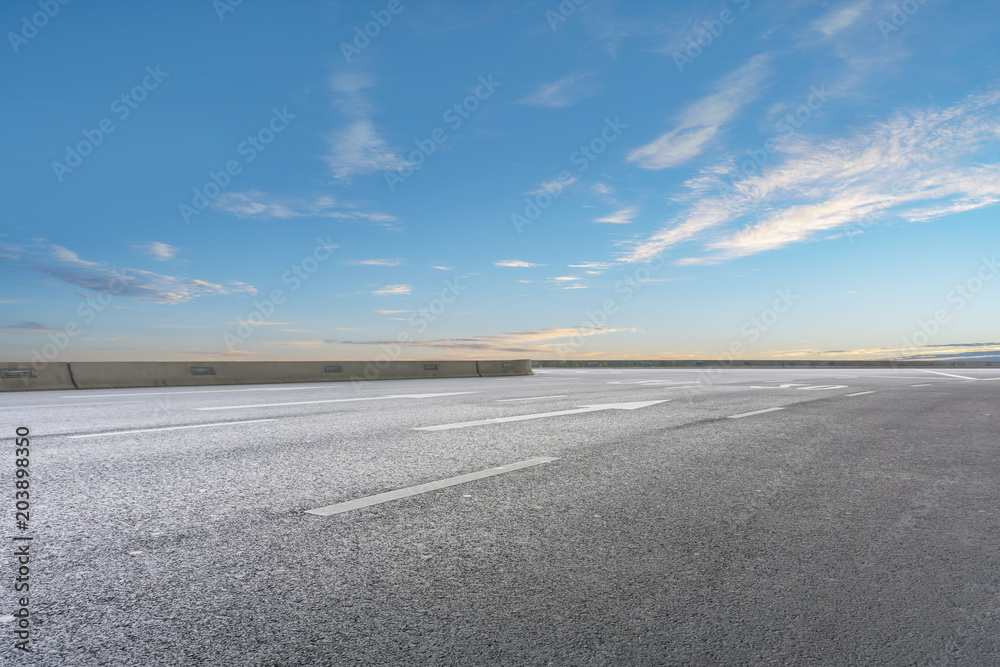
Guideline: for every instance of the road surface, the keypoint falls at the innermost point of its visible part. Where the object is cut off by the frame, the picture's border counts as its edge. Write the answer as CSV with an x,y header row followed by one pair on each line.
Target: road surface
x,y
575,517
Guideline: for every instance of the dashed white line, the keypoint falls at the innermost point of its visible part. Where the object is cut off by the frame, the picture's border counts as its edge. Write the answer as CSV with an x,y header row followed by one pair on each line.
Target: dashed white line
x,y
529,398
920,385
542,415
860,393
167,428
951,375
755,412
337,400
424,488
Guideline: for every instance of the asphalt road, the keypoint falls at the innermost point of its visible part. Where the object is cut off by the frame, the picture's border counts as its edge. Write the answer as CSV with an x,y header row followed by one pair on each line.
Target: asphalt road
x,y
855,525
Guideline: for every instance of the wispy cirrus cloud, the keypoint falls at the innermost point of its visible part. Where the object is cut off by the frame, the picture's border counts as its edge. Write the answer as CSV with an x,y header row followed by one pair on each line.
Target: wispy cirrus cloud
x,y
702,120
393,289
543,341
26,328
256,204
562,93
553,185
841,17
357,148
918,165
161,252
622,217
515,263
63,264
376,262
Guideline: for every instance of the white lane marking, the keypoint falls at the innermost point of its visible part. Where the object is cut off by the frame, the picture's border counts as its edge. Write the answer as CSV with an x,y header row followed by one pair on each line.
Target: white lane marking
x,y
529,398
202,391
951,375
780,386
337,400
651,382
63,405
919,385
860,393
755,412
541,415
826,386
424,488
167,428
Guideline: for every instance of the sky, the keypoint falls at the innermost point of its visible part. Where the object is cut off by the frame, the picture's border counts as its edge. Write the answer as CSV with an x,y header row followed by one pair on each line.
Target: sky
x,y
407,179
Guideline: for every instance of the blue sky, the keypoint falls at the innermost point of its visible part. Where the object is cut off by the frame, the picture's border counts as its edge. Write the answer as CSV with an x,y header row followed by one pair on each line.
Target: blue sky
x,y
343,180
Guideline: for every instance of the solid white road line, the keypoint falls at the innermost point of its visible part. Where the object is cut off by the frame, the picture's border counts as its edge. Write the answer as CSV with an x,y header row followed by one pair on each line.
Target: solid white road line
x,y
63,405
860,393
919,385
755,412
200,391
529,398
951,375
540,415
424,488
167,428
337,400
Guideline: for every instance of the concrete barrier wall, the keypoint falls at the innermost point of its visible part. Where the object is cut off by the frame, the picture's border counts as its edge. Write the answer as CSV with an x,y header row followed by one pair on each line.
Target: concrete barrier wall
x,y
498,368
124,374
25,376
743,363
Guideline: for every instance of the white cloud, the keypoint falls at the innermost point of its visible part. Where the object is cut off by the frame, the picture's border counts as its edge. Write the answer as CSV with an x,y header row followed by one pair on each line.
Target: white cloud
x,y
564,278
64,264
160,251
600,266
256,204
840,18
562,93
701,121
377,262
393,289
544,341
919,165
357,148
553,186
515,263
442,268
622,217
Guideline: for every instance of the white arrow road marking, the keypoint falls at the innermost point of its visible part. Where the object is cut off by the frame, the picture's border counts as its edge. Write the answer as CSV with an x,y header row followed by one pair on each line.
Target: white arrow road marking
x,y
424,488
540,415
167,428
337,400
951,375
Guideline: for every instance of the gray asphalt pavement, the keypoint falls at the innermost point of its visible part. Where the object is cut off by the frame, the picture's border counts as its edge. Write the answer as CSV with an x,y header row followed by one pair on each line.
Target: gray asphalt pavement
x,y
857,524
